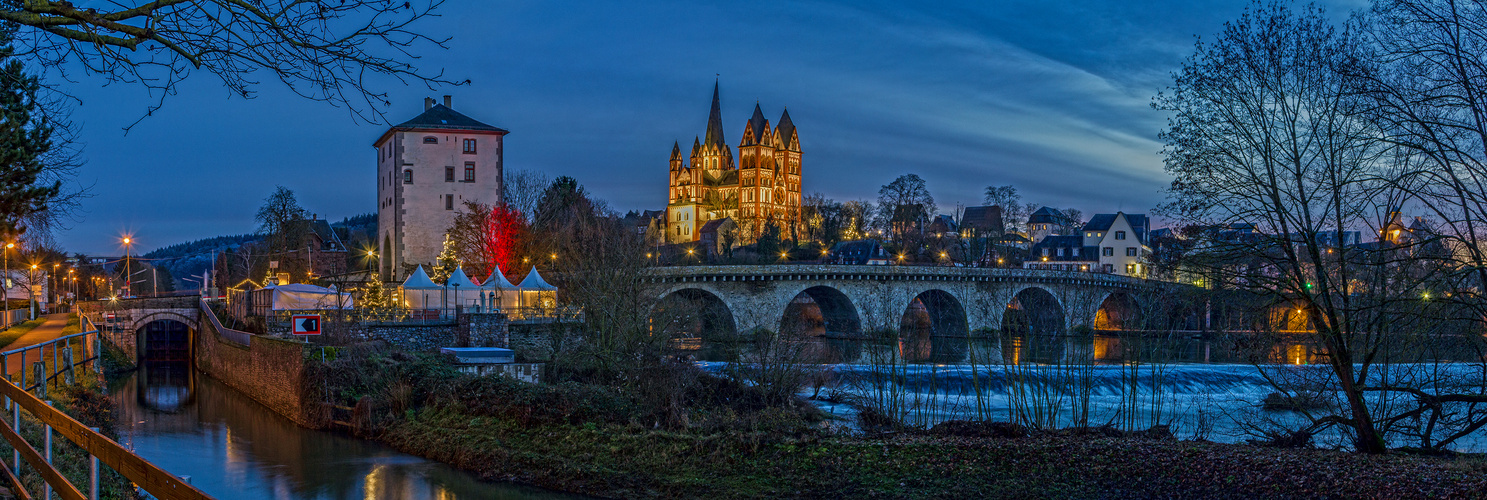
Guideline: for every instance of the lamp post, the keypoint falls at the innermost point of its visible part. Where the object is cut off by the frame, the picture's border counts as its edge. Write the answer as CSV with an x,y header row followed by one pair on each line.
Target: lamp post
x,y
6,284
128,270
31,290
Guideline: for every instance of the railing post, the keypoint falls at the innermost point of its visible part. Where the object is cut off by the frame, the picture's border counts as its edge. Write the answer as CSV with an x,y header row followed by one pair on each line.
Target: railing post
x,y
93,473
46,491
15,420
23,370
40,367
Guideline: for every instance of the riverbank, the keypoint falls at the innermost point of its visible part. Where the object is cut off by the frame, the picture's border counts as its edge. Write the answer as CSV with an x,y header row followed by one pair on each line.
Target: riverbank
x,y
629,462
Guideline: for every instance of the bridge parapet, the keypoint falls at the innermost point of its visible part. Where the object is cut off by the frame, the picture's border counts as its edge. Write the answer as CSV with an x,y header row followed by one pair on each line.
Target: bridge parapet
x,y
815,272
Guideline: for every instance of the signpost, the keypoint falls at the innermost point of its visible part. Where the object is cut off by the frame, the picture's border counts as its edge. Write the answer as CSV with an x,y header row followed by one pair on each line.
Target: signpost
x,y
305,324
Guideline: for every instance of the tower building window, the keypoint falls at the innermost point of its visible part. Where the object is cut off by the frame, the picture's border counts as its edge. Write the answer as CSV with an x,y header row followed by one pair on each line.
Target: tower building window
x,y
469,146
469,172
448,174
408,176
430,140
449,202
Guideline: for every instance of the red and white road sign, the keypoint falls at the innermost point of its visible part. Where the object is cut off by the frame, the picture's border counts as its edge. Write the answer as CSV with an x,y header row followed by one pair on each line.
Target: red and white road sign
x,y
305,324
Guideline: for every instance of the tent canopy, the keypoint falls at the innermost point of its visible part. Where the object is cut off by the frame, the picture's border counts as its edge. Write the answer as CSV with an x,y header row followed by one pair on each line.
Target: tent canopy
x,y
459,279
302,296
419,280
534,281
497,281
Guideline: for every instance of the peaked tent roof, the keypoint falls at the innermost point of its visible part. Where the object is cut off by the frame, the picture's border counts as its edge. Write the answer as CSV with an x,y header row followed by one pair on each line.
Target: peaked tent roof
x,y
441,117
534,281
497,281
459,279
419,280
715,122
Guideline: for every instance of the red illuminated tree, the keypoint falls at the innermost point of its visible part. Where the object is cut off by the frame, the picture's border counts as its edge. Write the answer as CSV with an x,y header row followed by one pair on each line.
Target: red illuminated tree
x,y
487,237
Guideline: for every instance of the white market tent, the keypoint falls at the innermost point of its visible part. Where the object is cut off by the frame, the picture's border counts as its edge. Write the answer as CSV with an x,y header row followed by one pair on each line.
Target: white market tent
x,y
304,297
497,292
460,290
536,292
420,292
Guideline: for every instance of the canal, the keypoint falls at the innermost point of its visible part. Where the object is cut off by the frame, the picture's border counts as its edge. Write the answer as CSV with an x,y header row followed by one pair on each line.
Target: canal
x,y
234,448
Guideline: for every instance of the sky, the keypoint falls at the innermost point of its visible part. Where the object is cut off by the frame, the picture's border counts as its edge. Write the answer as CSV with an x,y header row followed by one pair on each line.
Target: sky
x,y
1050,97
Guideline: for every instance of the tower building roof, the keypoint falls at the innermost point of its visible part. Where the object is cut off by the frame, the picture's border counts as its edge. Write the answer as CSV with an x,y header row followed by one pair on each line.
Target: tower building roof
x,y
757,128
441,117
714,135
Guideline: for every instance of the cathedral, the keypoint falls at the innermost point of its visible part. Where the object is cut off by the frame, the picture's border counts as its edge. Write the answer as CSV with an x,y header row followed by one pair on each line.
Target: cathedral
x,y
758,189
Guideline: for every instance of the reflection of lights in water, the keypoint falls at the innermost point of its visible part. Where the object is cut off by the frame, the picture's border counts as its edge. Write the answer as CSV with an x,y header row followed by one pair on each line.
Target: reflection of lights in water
x,y
372,485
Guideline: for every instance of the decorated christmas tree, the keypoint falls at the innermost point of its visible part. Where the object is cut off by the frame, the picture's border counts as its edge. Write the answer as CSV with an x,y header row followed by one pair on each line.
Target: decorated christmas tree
x,y
445,264
373,295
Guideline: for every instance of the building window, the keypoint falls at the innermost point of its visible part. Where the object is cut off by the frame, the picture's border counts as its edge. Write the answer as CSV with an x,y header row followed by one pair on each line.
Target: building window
x,y
449,202
1108,251
1061,252
1120,235
469,146
1130,251
469,172
448,174
430,140
408,176
1130,269
1108,267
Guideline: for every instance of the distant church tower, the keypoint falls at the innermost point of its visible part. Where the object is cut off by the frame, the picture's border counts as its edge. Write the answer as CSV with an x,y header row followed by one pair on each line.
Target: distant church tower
x,y
427,168
762,189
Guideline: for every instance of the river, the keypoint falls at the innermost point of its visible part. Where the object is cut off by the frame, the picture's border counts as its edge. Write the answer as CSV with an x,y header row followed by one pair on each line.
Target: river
x,y
231,447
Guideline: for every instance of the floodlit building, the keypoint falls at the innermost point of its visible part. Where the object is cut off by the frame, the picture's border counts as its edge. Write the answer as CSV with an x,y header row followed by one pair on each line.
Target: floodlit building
x,y
427,168
761,188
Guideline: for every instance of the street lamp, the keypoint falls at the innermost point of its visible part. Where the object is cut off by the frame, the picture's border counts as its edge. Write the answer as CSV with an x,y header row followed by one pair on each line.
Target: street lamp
x,y
128,270
31,290
6,284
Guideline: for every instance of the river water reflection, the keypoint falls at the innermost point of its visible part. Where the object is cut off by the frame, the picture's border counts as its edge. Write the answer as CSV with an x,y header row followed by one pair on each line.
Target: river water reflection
x,y
234,448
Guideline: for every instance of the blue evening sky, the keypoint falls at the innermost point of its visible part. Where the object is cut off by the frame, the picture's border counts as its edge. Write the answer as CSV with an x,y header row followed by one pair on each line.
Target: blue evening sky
x,y
1052,97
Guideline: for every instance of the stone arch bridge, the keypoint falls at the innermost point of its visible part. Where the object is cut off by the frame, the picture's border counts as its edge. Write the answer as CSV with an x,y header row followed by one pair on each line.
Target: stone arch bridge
x,y
148,328
848,301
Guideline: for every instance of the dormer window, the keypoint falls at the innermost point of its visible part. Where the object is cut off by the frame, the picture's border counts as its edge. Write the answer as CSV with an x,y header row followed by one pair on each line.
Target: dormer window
x,y
429,139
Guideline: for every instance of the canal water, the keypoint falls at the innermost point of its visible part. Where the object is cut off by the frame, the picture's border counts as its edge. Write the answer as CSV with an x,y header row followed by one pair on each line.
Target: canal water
x,y
231,447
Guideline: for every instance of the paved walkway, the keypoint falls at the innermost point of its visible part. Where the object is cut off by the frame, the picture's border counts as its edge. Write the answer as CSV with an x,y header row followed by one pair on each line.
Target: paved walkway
x,y
51,329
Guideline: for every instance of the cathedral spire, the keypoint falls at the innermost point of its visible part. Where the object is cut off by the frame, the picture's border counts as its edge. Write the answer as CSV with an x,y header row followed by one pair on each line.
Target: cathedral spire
x,y
758,128
714,135
676,150
786,129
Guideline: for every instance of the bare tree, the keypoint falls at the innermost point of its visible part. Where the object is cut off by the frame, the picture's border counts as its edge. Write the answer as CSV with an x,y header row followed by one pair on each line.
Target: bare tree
x,y
1014,214
1266,130
325,51
522,189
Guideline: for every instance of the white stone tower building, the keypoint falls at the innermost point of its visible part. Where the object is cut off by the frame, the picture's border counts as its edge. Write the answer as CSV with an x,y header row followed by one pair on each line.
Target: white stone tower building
x,y
427,168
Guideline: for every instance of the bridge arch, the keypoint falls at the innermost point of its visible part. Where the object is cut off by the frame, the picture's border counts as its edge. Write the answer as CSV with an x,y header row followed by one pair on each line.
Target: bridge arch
x,y
934,327
164,336
1119,310
821,311
693,312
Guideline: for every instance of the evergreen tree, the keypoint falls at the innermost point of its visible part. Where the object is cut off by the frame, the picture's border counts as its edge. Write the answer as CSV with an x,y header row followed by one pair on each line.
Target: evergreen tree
x,y
445,264
25,139
373,295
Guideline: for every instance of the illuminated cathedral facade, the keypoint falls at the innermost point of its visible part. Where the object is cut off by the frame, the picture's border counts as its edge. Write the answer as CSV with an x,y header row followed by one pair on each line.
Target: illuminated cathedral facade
x,y
760,188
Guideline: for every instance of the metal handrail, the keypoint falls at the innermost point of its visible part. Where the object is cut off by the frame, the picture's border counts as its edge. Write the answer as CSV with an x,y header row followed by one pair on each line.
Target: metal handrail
x,y
141,472
40,380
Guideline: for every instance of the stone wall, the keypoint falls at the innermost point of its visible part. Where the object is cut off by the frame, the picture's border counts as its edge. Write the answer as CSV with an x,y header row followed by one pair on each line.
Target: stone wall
x,y
269,370
484,330
538,341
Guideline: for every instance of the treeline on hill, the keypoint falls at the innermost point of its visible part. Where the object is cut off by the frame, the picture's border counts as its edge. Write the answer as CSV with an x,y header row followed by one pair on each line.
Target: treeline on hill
x,y
192,258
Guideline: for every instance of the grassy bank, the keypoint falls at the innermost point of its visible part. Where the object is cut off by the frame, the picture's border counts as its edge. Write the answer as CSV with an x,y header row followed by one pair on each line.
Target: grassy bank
x,y
626,462
679,433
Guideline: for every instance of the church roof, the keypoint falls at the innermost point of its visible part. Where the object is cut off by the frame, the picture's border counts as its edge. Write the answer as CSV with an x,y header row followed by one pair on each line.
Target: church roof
x,y
714,135
785,128
758,126
441,117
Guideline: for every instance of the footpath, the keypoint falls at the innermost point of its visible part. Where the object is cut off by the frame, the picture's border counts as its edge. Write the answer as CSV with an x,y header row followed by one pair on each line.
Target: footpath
x,y
51,329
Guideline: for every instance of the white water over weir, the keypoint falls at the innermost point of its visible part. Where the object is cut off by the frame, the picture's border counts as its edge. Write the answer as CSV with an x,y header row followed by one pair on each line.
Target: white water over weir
x,y
1216,402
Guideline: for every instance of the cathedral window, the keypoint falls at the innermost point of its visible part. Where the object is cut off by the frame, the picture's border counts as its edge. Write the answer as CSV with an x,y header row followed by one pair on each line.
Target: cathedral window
x,y
430,140
469,172
408,176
